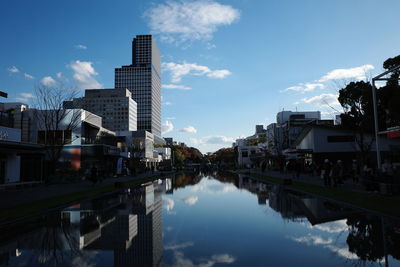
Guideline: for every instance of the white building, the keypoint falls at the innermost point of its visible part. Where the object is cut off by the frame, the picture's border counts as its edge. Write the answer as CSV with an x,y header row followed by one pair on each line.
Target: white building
x,y
282,134
334,143
164,152
116,107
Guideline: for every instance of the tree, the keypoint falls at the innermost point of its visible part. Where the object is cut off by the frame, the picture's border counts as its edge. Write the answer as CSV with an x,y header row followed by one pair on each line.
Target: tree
x,y
356,100
389,95
55,124
179,159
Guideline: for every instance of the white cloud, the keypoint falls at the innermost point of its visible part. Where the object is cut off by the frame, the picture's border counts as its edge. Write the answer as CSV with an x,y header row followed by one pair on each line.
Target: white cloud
x,y
82,47
189,20
219,74
167,127
181,261
196,141
84,74
223,258
176,86
180,70
13,69
212,140
190,200
171,118
304,87
343,252
219,139
312,240
322,100
48,81
326,243
168,203
358,73
214,188
178,246
24,97
332,227
167,103
189,129
28,76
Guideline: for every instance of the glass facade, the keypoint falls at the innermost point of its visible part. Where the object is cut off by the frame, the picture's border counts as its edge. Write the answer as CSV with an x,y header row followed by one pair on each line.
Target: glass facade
x,y
143,80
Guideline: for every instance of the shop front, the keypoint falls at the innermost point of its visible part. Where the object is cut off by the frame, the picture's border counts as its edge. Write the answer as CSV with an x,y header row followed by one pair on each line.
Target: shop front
x,y
19,162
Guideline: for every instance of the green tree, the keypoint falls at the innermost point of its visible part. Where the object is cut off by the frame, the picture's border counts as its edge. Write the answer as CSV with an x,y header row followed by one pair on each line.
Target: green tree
x,y
356,100
179,159
389,95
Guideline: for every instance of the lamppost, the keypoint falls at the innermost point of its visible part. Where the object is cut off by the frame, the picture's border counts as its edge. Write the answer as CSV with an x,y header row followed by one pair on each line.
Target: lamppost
x,y
380,77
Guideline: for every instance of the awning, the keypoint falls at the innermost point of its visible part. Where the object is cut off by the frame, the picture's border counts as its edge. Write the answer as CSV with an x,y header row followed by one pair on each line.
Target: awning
x,y
20,148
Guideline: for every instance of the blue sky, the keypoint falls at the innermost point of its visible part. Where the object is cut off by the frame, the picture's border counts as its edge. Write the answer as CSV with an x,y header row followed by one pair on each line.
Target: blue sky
x,y
227,64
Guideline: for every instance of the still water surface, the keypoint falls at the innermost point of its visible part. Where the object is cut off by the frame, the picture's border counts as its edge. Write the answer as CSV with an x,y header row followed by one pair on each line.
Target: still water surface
x,y
205,221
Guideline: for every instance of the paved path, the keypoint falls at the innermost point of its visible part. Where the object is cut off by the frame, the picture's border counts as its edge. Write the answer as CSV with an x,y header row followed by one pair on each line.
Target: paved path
x,y
348,184
13,197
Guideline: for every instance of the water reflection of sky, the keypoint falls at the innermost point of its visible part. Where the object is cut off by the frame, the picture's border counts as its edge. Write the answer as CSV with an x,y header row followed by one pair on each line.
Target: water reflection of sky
x,y
226,220
203,222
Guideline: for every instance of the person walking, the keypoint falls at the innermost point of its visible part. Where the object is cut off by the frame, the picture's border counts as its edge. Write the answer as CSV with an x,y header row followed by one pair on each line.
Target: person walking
x,y
336,173
93,174
355,171
327,172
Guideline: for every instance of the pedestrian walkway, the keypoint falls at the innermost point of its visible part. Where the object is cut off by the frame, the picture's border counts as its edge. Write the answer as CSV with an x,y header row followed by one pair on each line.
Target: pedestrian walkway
x,y
306,178
14,197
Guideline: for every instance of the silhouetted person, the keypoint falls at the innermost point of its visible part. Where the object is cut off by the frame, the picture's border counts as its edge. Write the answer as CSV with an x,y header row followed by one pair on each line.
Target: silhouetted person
x,y
93,174
327,172
298,168
336,173
355,171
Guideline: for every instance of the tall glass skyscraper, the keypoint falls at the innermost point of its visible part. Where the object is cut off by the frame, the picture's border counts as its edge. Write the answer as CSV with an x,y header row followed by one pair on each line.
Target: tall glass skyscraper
x,y
143,79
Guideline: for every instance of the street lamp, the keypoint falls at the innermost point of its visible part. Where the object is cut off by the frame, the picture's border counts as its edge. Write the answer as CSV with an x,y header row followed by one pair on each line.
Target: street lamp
x,y
380,77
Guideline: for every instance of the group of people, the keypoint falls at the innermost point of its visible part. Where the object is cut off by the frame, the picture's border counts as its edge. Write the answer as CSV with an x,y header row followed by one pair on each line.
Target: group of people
x,y
332,173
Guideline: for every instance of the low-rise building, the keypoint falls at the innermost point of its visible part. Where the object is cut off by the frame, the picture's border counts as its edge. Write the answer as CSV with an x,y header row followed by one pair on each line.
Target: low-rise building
x,y
320,142
116,107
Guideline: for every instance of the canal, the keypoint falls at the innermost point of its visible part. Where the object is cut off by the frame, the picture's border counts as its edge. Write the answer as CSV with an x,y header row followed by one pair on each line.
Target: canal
x,y
203,220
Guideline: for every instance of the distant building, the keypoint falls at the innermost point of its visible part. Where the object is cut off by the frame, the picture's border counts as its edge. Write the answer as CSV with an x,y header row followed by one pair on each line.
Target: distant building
x,y
143,145
338,120
164,152
260,129
143,79
116,107
282,134
169,141
285,116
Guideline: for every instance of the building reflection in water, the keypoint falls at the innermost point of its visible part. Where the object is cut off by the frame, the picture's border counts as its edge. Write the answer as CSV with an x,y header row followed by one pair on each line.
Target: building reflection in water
x,y
370,237
125,229
129,226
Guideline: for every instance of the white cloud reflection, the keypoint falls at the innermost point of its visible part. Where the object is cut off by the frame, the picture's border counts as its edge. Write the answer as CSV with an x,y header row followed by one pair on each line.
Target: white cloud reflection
x,y
327,243
168,203
214,188
190,200
181,261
